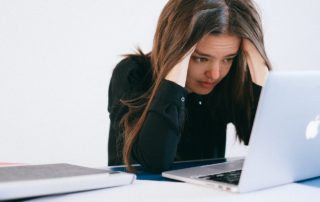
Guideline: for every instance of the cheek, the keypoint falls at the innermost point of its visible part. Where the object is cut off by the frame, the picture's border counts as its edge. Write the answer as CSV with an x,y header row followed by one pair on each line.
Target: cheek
x,y
225,71
194,70
191,72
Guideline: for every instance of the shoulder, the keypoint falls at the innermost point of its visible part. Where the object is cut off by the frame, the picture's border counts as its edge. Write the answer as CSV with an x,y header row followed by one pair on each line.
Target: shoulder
x,y
132,70
131,77
132,63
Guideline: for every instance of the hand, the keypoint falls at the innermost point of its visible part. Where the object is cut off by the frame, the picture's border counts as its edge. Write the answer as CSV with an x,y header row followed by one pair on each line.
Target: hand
x,y
178,73
257,66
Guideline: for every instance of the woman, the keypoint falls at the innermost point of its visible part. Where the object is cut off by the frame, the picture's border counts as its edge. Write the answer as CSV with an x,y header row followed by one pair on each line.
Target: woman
x,y
205,70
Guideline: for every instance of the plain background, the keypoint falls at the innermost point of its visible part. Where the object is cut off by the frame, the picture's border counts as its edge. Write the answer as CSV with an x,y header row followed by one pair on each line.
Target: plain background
x,y
56,59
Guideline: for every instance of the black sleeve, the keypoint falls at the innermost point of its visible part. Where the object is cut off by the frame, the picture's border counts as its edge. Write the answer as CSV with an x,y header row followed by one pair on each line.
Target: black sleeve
x,y
118,89
156,144
256,96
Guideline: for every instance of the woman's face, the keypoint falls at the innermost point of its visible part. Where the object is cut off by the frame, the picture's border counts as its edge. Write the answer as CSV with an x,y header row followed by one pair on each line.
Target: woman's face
x,y
211,62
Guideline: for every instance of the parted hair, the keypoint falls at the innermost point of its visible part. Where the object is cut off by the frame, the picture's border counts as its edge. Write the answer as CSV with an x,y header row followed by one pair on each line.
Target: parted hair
x,y
182,23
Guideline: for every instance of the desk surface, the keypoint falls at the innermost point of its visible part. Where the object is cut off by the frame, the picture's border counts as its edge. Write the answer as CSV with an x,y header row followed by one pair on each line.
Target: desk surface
x,y
152,187
146,190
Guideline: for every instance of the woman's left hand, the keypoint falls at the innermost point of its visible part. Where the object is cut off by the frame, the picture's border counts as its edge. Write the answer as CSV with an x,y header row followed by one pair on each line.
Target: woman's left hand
x,y
257,66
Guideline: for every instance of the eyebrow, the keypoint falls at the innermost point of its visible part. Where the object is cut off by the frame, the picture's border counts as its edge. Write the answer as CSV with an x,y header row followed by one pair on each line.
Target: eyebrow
x,y
207,55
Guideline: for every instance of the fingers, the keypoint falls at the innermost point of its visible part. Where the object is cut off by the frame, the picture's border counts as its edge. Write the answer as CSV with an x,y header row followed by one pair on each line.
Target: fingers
x,y
248,47
251,52
256,63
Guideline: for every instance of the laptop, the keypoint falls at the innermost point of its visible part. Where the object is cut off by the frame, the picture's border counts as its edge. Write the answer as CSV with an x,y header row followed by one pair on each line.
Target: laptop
x,y
285,140
29,181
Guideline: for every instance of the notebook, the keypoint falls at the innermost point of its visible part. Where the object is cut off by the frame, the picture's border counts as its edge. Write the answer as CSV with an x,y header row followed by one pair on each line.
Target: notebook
x,y
25,181
285,140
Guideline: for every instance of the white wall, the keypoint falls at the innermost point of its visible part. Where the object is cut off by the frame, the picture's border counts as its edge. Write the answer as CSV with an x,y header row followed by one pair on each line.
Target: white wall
x,y
292,31
56,57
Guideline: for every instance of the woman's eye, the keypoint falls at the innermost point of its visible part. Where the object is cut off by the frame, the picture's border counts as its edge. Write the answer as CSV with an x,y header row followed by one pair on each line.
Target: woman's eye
x,y
228,60
199,59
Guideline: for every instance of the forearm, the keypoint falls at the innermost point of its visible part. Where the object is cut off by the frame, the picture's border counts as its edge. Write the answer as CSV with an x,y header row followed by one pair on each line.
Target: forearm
x,y
157,141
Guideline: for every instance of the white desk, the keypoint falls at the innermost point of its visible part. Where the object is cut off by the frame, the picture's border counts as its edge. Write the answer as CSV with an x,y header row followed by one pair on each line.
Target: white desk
x,y
145,190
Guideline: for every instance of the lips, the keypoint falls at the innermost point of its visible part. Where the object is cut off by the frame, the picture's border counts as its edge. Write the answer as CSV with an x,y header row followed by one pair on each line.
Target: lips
x,y
206,85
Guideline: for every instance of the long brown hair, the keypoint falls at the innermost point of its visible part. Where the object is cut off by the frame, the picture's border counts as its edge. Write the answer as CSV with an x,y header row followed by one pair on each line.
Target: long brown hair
x,y
181,25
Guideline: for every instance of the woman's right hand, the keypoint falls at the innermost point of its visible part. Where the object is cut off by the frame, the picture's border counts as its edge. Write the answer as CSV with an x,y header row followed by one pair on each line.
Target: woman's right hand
x,y
178,74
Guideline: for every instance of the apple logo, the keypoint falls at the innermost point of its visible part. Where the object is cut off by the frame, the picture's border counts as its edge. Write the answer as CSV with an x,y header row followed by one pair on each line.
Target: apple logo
x,y
313,128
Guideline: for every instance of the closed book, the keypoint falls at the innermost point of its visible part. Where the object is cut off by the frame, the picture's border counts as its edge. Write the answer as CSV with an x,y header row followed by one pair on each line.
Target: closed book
x,y
27,181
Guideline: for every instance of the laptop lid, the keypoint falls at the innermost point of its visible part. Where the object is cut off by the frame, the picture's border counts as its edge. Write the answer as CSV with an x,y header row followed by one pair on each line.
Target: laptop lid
x,y
285,141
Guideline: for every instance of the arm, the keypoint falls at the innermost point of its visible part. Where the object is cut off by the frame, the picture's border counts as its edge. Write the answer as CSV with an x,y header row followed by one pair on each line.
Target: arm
x,y
257,66
156,144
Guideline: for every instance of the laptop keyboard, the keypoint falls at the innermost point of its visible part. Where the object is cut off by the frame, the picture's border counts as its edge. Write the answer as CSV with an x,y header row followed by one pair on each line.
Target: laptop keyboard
x,y
232,177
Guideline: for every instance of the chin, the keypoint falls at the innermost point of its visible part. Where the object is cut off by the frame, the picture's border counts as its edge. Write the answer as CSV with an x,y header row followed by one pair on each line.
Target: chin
x,y
202,91
198,89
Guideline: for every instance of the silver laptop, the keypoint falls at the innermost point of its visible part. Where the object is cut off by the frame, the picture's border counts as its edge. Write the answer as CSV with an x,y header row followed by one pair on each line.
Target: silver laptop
x,y
285,140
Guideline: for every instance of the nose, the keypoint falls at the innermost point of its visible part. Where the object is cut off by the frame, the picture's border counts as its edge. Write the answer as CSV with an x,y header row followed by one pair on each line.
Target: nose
x,y
213,73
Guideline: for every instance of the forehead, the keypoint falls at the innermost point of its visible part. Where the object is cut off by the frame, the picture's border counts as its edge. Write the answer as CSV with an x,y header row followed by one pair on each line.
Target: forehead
x,y
218,45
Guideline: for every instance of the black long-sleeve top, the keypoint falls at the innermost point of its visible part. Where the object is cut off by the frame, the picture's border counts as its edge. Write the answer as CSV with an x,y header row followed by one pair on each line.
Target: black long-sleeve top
x,y
178,125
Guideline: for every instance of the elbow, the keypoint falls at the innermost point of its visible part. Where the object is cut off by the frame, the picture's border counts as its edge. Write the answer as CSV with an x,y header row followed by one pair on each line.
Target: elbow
x,y
154,163
153,158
